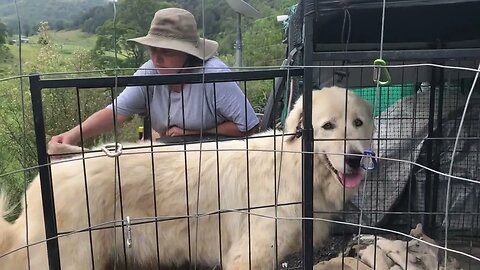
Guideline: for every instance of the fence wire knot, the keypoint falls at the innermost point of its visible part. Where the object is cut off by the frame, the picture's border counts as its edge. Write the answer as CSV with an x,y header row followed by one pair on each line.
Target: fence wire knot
x,y
113,149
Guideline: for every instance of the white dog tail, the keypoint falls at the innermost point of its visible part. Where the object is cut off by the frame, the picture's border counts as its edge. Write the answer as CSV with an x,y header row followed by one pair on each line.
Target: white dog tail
x,y
5,227
4,206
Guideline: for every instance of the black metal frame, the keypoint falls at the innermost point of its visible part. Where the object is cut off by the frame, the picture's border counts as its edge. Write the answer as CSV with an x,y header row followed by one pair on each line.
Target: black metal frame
x,y
45,176
37,85
307,135
398,55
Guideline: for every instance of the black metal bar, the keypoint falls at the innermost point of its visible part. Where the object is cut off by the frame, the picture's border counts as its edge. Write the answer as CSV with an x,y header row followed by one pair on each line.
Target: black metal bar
x,y
272,102
328,6
276,95
147,129
45,179
398,54
307,135
275,169
87,199
184,78
429,220
249,202
218,177
437,144
187,194
147,119
122,214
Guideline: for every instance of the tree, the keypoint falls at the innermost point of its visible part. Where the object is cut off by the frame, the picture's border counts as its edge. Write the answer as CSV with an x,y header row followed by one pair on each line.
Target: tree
x,y
133,20
5,54
3,33
43,33
60,25
93,18
263,43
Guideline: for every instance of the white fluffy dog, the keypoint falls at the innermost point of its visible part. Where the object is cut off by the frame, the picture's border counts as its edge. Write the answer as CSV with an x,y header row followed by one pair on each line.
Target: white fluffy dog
x,y
228,179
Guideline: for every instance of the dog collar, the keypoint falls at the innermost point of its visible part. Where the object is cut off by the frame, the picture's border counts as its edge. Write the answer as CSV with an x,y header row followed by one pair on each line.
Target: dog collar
x,y
369,160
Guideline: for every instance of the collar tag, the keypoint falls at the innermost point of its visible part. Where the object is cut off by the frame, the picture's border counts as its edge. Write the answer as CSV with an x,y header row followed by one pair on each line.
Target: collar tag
x,y
369,160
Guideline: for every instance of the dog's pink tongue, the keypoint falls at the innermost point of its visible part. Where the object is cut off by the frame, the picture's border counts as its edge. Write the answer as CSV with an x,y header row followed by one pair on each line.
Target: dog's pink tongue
x,y
352,180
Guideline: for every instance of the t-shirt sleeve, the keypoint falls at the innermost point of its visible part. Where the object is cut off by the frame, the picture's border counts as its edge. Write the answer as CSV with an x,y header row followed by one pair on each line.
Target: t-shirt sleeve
x,y
132,100
233,106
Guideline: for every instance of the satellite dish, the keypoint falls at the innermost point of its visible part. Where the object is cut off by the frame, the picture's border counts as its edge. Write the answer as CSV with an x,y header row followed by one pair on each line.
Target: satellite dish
x,y
243,8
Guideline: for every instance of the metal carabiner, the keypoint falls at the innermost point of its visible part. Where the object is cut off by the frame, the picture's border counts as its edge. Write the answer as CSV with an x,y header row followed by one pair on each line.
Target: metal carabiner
x,y
380,70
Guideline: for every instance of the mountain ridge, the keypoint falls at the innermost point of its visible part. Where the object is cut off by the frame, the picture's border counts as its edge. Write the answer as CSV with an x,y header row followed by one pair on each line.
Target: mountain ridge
x,y
59,13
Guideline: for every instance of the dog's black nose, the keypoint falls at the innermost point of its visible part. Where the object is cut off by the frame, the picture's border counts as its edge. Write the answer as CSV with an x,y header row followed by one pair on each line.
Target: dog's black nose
x,y
353,161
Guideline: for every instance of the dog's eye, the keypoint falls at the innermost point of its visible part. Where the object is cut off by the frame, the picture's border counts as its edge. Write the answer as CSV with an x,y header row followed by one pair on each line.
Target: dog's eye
x,y
328,126
357,122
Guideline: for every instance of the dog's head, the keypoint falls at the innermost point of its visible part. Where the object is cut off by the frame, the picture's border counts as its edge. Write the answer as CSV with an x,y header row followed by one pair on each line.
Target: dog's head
x,y
343,129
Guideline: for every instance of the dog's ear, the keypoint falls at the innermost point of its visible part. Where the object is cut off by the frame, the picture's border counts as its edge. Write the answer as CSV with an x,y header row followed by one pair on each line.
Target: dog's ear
x,y
294,120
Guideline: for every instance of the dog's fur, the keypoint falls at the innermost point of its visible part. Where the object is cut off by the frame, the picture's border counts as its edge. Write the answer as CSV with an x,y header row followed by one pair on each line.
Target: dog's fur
x,y
235,172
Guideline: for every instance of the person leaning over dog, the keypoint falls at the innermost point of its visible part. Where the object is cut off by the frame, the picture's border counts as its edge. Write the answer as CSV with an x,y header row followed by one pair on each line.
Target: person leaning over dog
x,y
174,44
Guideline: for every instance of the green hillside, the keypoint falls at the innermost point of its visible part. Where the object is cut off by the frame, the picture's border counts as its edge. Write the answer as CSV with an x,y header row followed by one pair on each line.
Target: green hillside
x,y
59,13
67,42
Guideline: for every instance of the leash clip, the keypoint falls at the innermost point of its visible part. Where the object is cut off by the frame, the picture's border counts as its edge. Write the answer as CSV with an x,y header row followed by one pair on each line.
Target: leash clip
x,y
129,232
379,71
369,160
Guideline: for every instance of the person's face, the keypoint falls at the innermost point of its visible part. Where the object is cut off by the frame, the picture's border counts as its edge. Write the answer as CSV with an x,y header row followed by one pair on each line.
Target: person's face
x,y
170,61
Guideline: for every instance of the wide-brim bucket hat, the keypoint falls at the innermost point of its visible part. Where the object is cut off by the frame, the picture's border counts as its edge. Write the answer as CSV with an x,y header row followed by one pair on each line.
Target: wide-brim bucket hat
x,y
176,29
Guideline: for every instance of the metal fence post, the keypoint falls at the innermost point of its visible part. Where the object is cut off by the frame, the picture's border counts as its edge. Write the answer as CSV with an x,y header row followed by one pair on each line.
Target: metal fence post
x,y
45,175
307,136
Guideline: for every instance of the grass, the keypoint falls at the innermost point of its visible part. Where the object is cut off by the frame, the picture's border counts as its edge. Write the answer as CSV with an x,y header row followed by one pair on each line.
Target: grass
x,y
73,40
29,51
69,41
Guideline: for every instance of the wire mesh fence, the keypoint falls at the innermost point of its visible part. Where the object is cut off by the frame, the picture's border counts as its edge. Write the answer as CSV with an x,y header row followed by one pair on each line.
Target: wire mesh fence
x,y
199,194
408,187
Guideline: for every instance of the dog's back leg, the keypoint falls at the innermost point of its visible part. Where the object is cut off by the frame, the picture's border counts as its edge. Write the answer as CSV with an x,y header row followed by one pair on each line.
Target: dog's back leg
x,y
261,253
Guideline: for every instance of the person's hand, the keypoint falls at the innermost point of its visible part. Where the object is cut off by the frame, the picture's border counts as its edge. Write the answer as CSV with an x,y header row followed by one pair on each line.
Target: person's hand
x,y
176,131
64,138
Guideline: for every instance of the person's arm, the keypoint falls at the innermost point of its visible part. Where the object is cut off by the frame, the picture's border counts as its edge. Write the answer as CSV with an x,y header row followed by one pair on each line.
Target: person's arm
x,y
98,123
233,106
130,101
228,128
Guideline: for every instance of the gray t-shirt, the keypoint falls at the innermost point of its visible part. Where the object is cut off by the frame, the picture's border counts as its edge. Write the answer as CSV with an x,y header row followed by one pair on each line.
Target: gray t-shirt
x,y
166,106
